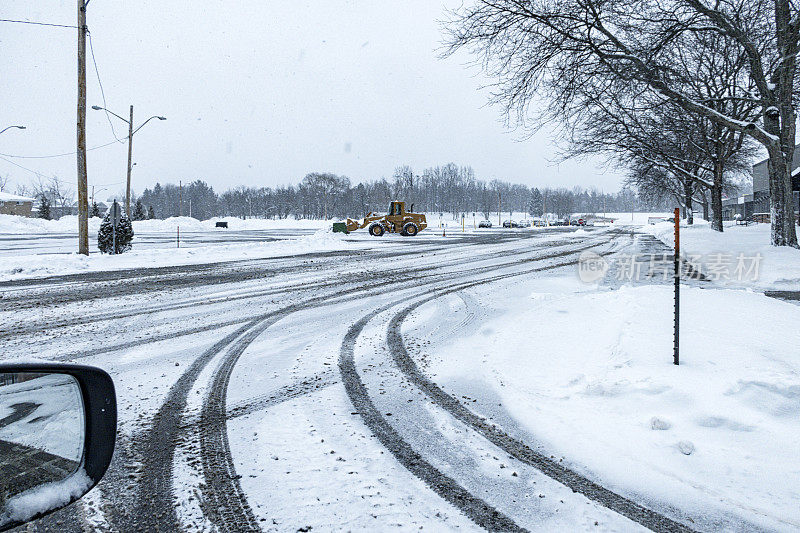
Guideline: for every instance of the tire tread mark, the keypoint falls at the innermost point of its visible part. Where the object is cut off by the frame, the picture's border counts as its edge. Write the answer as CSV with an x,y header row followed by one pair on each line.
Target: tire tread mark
x,y
474,508
517,449
154,497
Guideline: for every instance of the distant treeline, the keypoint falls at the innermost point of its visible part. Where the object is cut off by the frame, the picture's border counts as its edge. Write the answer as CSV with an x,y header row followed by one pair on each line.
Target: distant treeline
x,y
443,189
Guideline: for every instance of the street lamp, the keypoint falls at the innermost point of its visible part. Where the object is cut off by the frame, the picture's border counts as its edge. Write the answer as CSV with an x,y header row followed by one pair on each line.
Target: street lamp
x,y
8,128
131,132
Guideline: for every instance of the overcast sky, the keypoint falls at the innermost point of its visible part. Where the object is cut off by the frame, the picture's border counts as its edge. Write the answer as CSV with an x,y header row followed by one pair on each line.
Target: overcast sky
x,y
259,94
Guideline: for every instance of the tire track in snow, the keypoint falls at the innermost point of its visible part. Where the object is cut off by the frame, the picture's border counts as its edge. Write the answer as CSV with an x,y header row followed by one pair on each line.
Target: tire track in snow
x,y
478,510
516,448
154,506
289,392
230,510
417,273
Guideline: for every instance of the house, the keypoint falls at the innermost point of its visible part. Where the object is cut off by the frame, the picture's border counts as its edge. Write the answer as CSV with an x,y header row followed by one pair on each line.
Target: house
x,y
756,200
11,204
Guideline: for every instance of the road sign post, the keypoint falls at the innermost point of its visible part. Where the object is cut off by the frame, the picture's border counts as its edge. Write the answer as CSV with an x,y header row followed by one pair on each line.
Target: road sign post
x,y
676,344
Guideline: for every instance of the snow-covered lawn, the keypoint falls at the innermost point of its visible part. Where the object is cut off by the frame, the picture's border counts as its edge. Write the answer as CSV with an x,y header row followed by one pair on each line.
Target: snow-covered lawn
x,y
777,267
590,375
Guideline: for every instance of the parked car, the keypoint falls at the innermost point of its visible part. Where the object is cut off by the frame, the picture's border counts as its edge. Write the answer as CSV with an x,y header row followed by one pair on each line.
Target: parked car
x,y
510,224
577,222
524,223
485,224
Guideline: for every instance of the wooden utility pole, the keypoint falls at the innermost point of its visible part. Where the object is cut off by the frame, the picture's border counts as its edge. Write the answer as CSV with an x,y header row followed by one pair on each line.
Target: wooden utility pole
x,y
130,149
180,198
83,201
499,204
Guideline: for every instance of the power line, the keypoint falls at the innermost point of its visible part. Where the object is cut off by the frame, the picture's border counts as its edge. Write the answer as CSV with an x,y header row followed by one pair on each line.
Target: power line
x,y
23,168
37,23
59,155
102,92
39,174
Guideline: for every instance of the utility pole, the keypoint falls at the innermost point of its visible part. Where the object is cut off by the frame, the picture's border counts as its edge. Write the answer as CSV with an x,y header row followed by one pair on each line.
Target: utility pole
x,y
180,198
130,149
83,204
131,131
499,204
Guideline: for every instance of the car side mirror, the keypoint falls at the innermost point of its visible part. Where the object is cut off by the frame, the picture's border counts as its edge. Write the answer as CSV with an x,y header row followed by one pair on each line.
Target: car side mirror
x,y
58,424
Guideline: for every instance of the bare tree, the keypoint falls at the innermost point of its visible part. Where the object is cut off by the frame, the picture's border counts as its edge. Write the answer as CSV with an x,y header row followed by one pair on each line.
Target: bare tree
x,y
57,193
553,47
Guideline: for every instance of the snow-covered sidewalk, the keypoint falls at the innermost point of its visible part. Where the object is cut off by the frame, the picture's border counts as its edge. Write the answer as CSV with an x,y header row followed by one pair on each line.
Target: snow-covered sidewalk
x,y
719,255
590,375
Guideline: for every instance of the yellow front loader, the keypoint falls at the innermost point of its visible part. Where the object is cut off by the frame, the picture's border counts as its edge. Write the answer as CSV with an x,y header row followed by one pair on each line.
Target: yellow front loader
x,y
398,220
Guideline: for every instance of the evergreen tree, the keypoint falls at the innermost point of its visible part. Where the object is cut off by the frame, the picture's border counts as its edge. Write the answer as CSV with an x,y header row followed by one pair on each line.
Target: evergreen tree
x,y
138,211
95,210
535,206
151,214
123,238
44,207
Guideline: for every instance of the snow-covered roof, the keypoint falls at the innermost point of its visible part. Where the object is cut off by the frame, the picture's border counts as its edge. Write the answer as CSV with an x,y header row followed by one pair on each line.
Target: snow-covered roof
x,y
8,197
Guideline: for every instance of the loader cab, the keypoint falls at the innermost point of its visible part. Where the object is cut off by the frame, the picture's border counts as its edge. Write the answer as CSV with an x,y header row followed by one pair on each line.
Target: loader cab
x,y
396,214
397,208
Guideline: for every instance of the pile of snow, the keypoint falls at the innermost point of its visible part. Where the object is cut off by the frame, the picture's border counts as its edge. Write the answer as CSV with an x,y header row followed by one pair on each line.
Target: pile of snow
x,y
716,435
69,224
24,225
778,267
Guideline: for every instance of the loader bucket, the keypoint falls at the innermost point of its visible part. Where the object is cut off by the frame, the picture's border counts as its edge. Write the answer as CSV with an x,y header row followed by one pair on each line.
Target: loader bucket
x,y
340,227
352,225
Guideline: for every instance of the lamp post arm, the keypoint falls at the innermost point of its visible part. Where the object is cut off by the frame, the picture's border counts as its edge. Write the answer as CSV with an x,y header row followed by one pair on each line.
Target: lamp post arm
x,y
98,108
146,121
8,128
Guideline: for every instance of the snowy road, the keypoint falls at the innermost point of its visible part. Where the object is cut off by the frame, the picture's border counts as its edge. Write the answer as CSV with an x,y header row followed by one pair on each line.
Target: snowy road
x,y
286,394
12,244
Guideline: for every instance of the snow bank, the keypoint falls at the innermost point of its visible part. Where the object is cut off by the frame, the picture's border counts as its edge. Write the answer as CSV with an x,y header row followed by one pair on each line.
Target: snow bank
x,y
778,266
42,265
69,224
720,431
23,225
